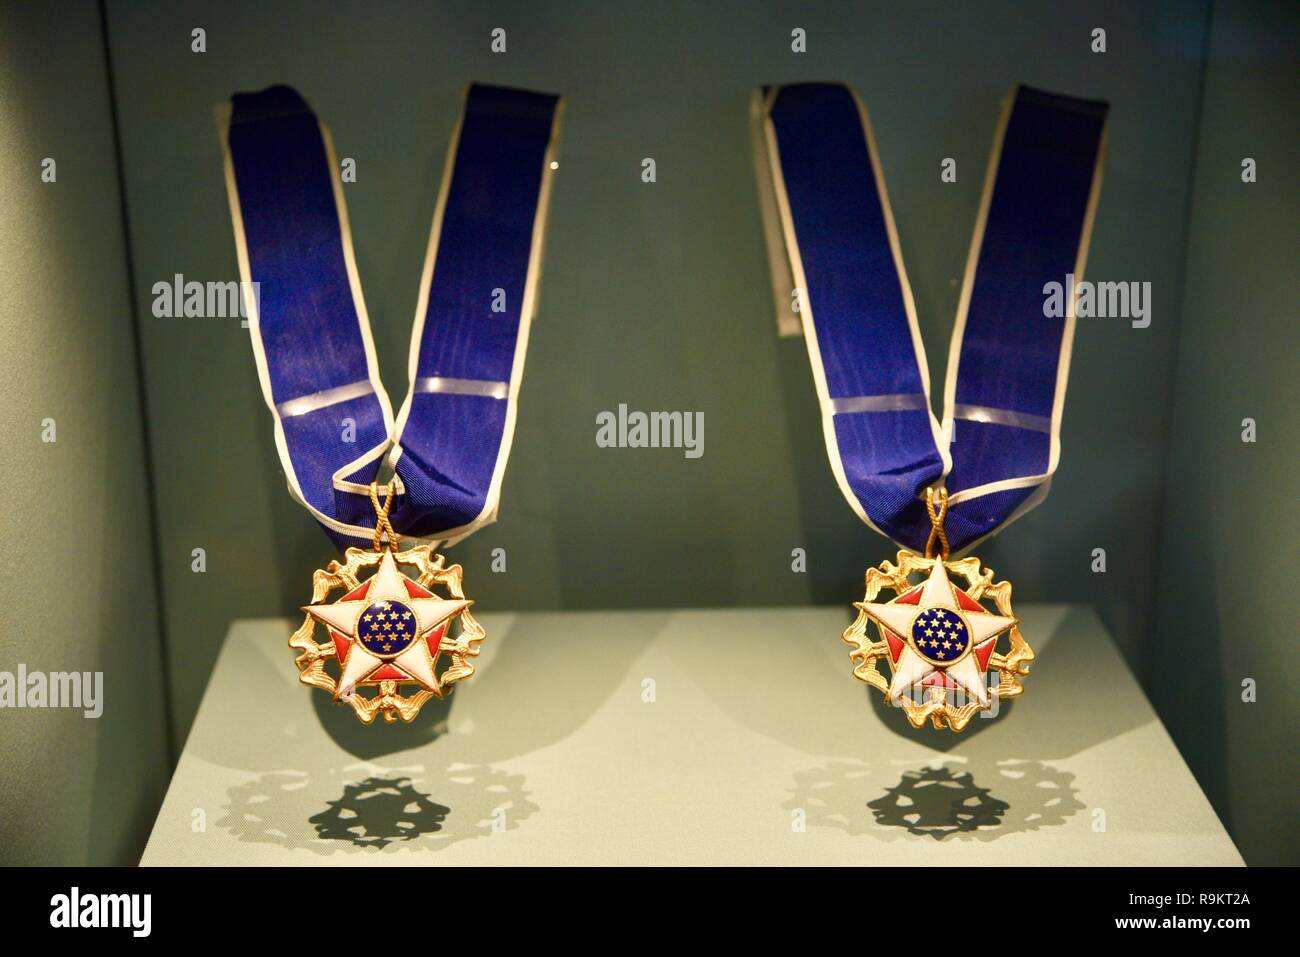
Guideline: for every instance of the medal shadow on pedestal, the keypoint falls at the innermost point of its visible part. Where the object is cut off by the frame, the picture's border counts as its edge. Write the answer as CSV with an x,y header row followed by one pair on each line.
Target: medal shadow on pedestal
x,y
378,811
981,799
938,802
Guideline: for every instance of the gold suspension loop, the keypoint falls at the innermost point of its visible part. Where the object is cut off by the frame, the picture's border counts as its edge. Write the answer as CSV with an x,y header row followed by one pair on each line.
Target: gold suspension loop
x,y
382,524
937,513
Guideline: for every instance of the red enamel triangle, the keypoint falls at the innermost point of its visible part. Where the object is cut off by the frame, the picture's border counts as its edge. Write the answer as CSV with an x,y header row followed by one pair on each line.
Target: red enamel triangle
x,y
357,593
912,597
415,590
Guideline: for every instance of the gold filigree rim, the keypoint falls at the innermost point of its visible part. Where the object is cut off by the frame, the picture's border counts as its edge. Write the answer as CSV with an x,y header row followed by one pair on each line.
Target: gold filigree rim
x,y
936,708
388,701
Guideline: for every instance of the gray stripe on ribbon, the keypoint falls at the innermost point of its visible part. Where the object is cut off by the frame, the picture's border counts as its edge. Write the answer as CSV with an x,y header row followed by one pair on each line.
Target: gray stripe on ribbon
x,y
483,387
1015,420
901,402
319,400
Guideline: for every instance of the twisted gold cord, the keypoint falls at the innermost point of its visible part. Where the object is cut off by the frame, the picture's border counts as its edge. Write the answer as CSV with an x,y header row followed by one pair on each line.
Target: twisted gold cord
x,y
382,524
936,522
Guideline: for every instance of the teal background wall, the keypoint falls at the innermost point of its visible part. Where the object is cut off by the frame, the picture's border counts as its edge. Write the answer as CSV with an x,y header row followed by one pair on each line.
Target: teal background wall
x,y
75,541
655,295
1227,606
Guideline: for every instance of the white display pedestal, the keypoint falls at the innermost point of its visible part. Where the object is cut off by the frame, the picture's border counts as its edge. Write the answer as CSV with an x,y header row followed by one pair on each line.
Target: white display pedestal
x,y
683,737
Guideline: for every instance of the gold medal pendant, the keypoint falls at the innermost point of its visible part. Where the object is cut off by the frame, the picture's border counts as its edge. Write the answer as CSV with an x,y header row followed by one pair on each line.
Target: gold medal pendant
x,y
941,643
388,630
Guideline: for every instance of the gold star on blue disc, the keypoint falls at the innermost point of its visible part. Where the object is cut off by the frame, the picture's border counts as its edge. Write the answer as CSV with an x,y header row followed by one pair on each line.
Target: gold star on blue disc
x,y
940,635
387,627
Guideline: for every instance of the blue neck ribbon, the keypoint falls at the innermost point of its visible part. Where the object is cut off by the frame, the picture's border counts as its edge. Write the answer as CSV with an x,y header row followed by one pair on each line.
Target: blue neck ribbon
x,y
334,424
825,205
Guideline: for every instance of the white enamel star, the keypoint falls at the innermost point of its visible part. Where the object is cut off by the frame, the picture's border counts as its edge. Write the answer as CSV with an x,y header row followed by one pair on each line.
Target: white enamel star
x,y
415,660
912,668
